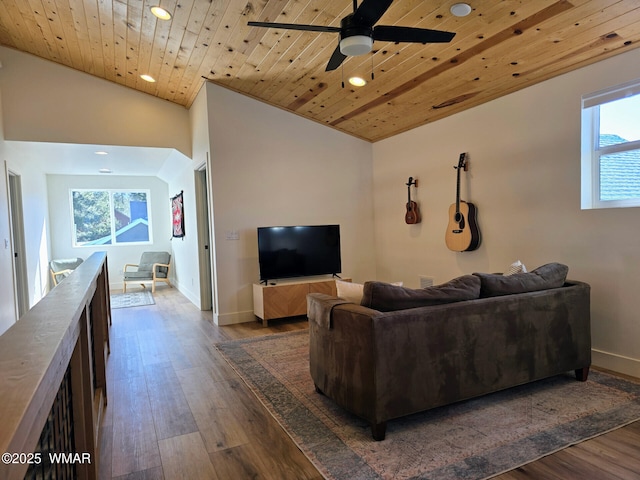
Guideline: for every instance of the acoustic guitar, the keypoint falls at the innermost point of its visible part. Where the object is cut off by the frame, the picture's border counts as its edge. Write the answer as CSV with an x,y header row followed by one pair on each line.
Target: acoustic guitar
x,y
462,233
413,212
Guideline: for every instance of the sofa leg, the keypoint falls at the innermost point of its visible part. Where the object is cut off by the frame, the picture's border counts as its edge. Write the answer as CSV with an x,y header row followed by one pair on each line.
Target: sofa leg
x,y
582,374
378,430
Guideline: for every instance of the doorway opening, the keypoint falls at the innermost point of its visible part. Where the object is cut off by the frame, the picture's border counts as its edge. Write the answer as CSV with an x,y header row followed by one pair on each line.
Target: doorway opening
x,y
18,244
205,256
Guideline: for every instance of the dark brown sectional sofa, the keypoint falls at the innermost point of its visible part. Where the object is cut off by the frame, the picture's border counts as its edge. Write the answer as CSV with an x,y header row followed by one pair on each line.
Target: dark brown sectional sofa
x,y
474,335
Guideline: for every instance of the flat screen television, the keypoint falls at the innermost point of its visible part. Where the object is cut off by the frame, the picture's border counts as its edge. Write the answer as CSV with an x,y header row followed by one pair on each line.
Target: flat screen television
x,y
298,251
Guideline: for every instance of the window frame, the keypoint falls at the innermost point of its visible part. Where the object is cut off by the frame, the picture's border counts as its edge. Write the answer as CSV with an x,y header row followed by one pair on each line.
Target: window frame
x,y
111,192
591,151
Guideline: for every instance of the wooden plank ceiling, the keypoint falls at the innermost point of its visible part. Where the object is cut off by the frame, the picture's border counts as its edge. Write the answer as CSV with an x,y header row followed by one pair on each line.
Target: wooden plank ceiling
x,y
501,47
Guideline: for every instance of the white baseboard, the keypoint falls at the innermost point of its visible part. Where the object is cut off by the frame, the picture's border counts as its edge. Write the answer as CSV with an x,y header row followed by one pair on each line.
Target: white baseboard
x,y
191,296
233,318
616,363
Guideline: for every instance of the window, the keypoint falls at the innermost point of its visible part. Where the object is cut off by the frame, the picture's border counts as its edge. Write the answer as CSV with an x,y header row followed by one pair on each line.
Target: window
x,y
110,217
611,148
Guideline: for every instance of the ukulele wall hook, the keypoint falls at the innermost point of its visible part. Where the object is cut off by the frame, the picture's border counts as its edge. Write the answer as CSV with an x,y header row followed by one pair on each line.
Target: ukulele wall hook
x,y
413,212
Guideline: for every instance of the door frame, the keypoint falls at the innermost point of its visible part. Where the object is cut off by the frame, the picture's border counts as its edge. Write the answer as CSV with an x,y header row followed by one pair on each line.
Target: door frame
x,y
18,248
206,262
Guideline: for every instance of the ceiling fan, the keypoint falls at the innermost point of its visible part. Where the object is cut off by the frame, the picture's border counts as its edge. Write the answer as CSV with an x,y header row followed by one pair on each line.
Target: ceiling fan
x,y
357,31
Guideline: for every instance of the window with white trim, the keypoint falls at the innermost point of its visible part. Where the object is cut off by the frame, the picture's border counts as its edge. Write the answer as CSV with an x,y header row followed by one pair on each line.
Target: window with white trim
x,y
611,147
110,217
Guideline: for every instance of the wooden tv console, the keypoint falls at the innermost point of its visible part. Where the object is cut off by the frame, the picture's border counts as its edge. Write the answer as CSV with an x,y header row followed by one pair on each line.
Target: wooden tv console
x,y
288,298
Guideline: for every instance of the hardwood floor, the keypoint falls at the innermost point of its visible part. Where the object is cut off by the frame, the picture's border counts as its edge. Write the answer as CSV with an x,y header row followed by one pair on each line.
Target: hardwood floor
x,y
177,410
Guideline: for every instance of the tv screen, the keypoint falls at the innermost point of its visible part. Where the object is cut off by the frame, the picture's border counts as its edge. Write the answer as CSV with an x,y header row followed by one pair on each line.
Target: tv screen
x,y
300,251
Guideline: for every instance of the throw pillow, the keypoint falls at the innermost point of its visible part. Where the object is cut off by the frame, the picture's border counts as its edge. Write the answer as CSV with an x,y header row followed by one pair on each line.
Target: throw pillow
x,y
551,275
516,267
385,297
352,292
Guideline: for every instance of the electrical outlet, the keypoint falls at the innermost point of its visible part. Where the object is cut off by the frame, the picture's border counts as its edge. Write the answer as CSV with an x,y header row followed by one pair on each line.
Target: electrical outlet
x,y
425,281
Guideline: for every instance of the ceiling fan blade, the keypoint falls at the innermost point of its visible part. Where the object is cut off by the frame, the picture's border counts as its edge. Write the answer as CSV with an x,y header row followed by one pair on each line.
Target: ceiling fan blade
x,y
389,33
296,26
370,11
336,60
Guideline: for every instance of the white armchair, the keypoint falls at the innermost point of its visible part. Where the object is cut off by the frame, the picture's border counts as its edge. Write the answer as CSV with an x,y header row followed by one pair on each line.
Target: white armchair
x,y
62,268
153,267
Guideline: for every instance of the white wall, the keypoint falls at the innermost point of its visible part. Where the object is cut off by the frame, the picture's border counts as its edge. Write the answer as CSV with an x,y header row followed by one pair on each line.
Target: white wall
x,y
180,178
47,102
271,167
58,187
186,250
524,177
35,231
43,101
36,223
7,292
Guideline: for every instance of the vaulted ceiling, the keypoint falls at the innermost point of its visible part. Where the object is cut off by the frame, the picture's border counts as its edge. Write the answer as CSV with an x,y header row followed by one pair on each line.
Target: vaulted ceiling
x,y
501,47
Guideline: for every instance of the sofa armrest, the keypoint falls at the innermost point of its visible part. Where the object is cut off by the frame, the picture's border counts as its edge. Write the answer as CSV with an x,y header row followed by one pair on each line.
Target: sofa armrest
x,y
341,358
320,307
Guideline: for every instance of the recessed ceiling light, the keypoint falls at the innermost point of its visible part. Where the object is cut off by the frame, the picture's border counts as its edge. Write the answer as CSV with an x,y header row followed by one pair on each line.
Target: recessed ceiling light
x,y
101,152
147,78
104,170
161,13
357,81
460,9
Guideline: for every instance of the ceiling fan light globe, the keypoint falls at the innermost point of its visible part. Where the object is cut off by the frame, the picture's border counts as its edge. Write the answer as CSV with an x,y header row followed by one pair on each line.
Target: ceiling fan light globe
x,y
356,45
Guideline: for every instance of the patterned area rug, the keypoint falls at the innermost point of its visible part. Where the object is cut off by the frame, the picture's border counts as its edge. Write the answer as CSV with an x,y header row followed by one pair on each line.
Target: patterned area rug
x,y
131,299
475,439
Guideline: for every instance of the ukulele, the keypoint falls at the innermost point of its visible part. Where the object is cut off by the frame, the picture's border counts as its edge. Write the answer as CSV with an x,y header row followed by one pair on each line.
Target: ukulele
x,y
462,233
413,212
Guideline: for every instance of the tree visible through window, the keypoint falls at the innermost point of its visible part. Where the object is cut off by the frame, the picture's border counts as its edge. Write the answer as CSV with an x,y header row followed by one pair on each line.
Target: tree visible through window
x,y
108,217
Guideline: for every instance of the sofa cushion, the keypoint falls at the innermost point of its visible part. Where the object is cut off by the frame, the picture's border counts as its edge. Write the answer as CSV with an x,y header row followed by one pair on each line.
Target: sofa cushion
x,y
551,275
385,297
353,291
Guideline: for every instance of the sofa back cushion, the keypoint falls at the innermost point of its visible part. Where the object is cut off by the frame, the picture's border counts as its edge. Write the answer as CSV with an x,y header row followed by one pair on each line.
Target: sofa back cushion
x,y
551,275
385,297
352,291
